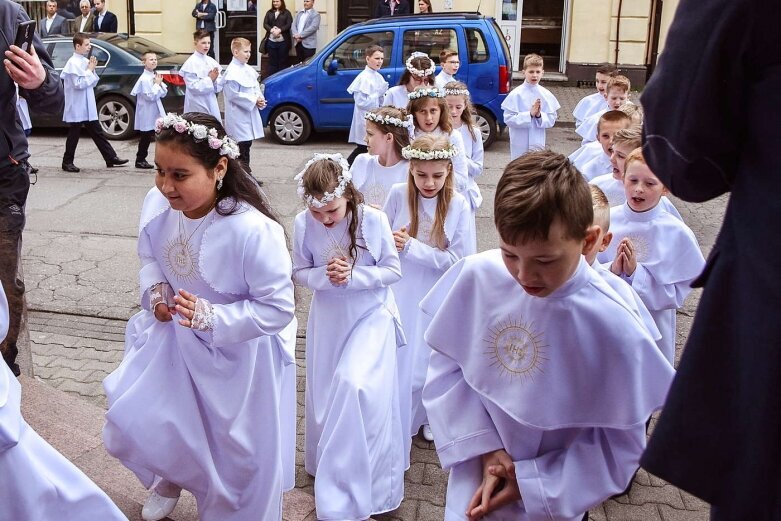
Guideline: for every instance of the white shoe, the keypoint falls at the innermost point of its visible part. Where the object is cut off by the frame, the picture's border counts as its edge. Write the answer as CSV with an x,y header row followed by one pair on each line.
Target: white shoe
x,y
427,434
157,507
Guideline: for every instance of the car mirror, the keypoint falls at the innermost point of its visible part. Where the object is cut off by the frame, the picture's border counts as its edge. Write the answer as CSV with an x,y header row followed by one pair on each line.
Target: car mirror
x,y
333,67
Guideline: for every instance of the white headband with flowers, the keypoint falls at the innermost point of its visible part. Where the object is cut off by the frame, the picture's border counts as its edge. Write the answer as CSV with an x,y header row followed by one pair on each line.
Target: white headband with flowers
x,y
226,145
418,72
344,177
409,152
389,120
456,92
424,92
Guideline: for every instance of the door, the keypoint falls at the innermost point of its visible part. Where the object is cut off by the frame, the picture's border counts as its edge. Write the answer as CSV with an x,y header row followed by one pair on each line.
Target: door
x,y
351,12
236,19
510,24
543,32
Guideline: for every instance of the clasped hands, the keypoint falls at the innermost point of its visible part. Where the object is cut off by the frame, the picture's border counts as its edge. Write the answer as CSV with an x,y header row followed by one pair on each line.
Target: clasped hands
x,y
338,271
536,108
401,237
626,258
184,307
499,486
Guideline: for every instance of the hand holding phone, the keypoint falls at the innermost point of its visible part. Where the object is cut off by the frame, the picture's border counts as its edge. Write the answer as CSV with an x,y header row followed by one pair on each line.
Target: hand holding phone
x,y
21,61
24,35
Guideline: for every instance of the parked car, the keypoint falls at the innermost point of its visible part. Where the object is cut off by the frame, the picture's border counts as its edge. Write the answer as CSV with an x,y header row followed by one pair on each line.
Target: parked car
x,y
313,95
119,66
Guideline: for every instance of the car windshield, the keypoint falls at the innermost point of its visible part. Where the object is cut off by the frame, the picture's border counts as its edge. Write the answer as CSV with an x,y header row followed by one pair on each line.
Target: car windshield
x,y
138,46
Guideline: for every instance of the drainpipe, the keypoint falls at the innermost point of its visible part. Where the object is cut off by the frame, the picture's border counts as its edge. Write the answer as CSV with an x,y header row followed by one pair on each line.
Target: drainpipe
x,y
618,31
131,17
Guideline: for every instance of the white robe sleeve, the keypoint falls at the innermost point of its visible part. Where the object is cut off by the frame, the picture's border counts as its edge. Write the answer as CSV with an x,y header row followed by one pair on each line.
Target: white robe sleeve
x,y
546,119
474,162
304,270
245,101
441,260
514,115
89,80
658,295
387,268
596,464
152,92
367,100
460,167
151,273
200,85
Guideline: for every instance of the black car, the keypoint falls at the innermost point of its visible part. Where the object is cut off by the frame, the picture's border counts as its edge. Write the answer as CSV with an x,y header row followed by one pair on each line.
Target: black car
x,y
119,66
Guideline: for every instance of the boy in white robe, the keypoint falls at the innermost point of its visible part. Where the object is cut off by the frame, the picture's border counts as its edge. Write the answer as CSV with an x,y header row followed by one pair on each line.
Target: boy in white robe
x,y
38,482
242,100
79,80
450,63
597,101
654,252
368,89
609,123
149,91
200,73
539,406
617,94
529,109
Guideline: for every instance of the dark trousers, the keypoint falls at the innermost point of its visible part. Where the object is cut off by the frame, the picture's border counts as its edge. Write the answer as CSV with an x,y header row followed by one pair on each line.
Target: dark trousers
x,y
359,149
14,186
302,53
211,49
277,56
244,148
146,138
93,127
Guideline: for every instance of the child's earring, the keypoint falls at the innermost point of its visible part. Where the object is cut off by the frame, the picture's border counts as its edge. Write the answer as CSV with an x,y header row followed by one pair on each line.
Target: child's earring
x,y
219,184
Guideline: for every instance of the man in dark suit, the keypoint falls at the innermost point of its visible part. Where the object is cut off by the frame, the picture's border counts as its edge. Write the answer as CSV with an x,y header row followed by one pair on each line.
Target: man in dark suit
x,y
84,23
53,23
105,21
391,8
204,13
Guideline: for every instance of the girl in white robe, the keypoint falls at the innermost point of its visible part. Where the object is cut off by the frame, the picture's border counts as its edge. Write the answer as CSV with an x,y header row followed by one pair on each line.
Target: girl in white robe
x,y
368,90
431,232
344,251
375,172
201,75
199,400
419,72
38,482
528,132
461,117
430,116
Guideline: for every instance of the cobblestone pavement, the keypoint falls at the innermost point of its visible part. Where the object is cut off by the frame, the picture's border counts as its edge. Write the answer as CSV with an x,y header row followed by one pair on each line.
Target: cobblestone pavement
x,y
81,269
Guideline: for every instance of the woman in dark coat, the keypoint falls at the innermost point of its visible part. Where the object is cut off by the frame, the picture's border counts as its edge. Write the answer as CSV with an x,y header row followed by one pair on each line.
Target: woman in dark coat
x,y
277,23
712,111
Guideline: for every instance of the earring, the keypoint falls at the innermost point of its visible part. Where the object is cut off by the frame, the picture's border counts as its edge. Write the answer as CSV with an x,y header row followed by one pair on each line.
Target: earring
x,y
219,184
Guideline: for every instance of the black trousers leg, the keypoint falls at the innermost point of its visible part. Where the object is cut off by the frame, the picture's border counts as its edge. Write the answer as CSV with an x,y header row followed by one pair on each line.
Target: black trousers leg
x,y
105,148
360,149
74,130
143,145
244,148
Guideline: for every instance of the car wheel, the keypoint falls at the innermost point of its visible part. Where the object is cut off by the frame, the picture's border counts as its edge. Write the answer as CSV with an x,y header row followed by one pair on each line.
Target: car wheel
x,y
487,125
290,125
116,116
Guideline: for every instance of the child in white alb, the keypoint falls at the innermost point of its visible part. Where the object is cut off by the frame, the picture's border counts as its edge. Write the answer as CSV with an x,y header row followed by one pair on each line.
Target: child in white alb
x,y
450,63
344,251
430,223
616,95
375,172
368,89
599,164
597,101
654,251
201,73
149,90
419,72
529,109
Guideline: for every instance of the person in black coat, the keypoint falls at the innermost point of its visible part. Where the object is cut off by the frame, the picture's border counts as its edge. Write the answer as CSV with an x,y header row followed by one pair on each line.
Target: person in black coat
x,y
205,14
277,41
712,111
105,20
391,8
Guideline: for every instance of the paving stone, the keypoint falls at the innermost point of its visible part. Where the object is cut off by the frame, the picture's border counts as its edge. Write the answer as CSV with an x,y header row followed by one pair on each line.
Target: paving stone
x,y
620,512
673,514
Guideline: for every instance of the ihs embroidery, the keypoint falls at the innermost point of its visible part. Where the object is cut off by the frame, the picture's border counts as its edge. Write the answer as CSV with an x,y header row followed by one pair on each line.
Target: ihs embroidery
x,y
516,349
181,259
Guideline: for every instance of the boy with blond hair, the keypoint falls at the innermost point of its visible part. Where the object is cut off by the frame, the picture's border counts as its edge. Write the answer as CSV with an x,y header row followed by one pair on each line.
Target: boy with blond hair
x,y
597,101
243,99
529,109
593,159
539,407
149,91
655,252
616,95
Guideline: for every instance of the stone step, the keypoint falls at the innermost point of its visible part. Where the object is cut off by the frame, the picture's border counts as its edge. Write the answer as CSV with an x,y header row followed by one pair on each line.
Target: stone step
x,y
73,427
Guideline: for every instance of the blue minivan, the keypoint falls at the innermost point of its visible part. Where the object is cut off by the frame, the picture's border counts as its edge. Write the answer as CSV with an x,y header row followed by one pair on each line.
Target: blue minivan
x,y
313,95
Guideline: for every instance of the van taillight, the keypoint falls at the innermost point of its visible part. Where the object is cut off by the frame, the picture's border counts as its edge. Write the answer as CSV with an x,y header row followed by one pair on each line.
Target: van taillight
x,y
504,80
173,79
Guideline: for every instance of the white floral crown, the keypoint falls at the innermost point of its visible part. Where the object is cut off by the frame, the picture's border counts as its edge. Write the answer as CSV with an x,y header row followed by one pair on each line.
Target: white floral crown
x,y
409,152
415,71
457,92
226,145
389,120
344,177
430,92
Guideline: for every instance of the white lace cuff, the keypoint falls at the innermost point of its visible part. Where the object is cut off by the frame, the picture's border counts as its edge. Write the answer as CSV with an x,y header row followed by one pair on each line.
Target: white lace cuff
x,y
161,293
203,317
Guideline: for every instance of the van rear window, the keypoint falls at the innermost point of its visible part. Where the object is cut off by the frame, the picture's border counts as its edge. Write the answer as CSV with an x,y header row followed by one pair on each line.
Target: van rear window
x,y
430,41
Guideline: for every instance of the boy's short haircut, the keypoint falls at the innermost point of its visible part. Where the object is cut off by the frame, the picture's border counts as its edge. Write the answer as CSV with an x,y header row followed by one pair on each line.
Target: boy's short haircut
x,y
532,60
200,34
79,39
613,116
633,111
146,54
447,53
608,69
635,156
374,48
601,208
618,82
238,43
631,136
534,190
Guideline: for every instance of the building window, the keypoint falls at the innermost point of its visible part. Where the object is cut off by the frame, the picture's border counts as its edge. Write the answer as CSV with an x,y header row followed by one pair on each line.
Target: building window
x,y
351,53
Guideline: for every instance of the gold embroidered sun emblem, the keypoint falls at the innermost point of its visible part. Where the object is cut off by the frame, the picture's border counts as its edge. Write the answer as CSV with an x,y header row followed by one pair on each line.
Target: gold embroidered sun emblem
x,y
516,349
641,246
335,250
181,259
374,194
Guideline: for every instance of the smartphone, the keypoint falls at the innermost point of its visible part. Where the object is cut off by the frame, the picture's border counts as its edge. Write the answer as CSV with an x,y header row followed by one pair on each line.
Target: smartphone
x,y
24,35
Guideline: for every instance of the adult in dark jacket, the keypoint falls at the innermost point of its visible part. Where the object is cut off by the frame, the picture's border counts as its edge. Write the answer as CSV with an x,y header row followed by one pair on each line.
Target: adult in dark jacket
x,y
391,8
712,111
41,87
205,13
53,22
277,41
105,20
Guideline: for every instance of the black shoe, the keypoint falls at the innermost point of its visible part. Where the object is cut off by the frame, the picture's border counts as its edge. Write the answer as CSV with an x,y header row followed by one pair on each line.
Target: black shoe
x,y
33,170
143,164
116,162
70,167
